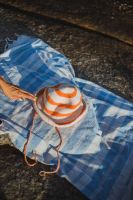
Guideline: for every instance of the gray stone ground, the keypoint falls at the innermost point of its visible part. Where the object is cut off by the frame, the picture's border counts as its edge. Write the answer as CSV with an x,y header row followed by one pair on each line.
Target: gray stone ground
x,y
94,57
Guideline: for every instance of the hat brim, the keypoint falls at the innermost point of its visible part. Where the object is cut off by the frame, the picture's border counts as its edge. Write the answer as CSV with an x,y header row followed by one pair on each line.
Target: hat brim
x,y
50,121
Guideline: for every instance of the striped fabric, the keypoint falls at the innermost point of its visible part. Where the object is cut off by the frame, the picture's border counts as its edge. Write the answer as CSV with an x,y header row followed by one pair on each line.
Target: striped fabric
x,y
97,153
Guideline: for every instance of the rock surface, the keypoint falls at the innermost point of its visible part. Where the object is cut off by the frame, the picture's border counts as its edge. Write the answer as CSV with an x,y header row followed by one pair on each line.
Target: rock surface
x,y
112,17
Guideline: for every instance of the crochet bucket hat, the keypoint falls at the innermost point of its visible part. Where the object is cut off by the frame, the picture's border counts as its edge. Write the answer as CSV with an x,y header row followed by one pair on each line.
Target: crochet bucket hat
x,y
61,105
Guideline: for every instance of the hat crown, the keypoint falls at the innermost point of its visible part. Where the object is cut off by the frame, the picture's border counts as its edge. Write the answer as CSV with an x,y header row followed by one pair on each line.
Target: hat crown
x,y
63,104
61,100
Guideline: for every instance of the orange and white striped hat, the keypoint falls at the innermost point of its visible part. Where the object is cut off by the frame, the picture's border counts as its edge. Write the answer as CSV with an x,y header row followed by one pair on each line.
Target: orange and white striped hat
x,y
61,105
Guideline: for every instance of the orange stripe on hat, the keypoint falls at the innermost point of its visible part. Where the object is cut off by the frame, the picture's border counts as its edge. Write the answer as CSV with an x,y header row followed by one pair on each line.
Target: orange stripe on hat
x,y
51,101
70,121
68,95
54,113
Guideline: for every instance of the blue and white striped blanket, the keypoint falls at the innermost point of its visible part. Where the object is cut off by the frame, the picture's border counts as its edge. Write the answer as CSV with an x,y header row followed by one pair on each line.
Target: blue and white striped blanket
x,y
97,154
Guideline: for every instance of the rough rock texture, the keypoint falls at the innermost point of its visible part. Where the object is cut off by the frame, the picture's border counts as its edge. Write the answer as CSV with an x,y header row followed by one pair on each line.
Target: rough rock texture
x,y
112,17
94,57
